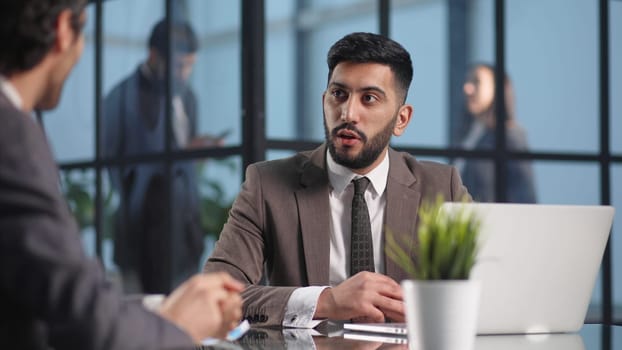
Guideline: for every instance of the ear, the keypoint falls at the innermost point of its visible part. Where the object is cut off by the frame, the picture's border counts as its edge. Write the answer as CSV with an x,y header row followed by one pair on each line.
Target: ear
x,y
404,115
64,32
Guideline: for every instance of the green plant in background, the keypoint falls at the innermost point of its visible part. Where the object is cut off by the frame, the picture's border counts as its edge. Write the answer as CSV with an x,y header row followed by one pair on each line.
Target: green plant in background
x,y
82,202
214,204
447,244
78,184
78,197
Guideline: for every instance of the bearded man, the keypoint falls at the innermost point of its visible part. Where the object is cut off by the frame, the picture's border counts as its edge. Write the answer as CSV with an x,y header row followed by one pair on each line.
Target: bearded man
x,y
315,222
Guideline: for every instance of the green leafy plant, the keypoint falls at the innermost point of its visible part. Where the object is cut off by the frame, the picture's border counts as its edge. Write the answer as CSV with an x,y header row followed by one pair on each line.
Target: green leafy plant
x,y
215,205
78,188
79,198
79,194
446,248
214,208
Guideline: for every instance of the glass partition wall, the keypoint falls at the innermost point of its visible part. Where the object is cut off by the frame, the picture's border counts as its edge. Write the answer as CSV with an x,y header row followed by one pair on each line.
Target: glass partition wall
x,y
243,81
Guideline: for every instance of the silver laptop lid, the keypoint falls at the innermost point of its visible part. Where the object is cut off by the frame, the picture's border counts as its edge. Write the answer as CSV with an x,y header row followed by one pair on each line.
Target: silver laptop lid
x,y
538,265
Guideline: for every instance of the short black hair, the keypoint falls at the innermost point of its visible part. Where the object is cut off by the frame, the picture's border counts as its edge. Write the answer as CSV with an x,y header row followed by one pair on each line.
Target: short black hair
x,y
373,48
27,30
183,36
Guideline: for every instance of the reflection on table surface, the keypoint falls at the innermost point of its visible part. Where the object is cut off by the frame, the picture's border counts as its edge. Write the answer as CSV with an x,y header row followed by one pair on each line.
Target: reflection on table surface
x,y
530,342
591,337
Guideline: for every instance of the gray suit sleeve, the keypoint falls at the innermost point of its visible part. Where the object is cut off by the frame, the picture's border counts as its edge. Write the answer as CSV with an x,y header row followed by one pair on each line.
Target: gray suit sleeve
x,y
458,190
240,251
46,280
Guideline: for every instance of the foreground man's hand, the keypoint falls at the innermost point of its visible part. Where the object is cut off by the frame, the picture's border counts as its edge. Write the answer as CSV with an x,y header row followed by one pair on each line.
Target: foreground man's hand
x,y
207,305
364,297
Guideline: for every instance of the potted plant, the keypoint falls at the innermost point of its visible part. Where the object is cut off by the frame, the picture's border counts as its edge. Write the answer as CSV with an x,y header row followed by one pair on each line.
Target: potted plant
x,y
441,301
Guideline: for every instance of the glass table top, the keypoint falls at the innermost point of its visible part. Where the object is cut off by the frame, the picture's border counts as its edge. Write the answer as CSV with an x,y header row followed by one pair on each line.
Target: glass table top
x,y
590,337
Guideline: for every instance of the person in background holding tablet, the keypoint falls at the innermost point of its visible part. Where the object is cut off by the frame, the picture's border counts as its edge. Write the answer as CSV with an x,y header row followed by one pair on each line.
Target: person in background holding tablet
x,y
51,294
135,124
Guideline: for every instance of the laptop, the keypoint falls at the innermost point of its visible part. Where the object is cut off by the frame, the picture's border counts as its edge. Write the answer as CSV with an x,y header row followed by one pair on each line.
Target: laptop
x,y
537,264
377,337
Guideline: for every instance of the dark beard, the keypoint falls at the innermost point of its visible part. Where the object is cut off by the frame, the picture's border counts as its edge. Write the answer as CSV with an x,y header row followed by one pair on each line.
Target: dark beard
x,y
371,150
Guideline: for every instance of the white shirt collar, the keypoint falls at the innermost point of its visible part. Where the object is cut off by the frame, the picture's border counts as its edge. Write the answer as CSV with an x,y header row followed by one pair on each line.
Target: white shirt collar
x,y
10,92
340,176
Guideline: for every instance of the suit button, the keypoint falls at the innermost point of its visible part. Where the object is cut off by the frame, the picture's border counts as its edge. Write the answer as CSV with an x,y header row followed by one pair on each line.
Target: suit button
x,y
263,318
255,318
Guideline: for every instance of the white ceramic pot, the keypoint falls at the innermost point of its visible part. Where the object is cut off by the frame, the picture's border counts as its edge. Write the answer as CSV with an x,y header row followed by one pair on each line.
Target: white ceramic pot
x,y
441,315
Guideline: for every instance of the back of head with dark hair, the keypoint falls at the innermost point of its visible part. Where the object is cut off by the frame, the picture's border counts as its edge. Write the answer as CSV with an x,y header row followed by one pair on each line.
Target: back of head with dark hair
x,y
373,48
27,30
184,39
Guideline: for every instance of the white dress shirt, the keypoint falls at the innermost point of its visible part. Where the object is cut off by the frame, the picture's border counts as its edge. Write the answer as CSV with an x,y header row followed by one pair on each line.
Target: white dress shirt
x,y
180,121
303,301
10,92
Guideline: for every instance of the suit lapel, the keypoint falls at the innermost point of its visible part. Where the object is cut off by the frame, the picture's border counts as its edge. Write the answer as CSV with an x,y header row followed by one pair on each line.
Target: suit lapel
x,y
401,210
314,214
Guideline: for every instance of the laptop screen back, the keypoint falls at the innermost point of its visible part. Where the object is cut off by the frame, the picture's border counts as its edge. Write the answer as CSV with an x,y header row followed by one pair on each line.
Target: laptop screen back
x,y
538,264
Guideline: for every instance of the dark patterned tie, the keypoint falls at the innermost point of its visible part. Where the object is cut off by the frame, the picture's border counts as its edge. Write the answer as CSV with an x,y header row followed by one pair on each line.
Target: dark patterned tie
x,y
361,247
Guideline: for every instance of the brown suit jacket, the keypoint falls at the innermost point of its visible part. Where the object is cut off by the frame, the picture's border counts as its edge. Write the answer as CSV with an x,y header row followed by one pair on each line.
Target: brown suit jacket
x,y
51,294
281,219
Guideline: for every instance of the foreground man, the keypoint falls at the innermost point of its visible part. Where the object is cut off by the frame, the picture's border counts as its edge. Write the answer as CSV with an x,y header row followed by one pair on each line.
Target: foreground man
x,y
51,294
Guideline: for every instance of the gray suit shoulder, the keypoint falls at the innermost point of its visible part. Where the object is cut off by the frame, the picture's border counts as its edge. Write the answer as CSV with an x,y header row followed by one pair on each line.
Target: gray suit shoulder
x,y
287,168
432,178
426,166
435,167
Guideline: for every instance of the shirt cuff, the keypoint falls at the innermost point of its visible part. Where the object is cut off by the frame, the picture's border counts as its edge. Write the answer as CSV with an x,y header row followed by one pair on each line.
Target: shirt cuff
x,y
153,302
301,306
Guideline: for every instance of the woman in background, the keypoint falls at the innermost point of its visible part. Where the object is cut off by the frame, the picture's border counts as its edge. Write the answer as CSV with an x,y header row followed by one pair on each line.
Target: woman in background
x,y
479,175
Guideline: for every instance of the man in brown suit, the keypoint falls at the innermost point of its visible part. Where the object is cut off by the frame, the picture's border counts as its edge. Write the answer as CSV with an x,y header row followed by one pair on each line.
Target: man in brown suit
x,y
294,215
51,294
